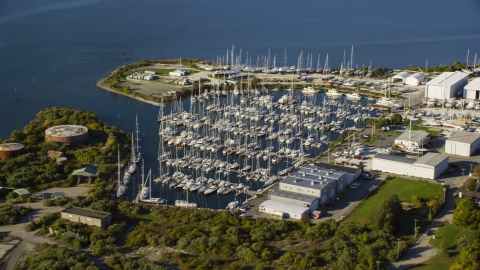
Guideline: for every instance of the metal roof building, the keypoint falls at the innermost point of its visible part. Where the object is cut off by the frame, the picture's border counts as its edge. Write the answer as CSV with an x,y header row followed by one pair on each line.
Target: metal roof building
x,y
87,216
446,85
462,143
293,198
283,210
23,193
429,166
401,76
472,89
413,138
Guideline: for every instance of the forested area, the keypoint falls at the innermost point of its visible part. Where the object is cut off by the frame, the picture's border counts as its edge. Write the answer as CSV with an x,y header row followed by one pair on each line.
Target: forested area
x,y
35,170
10,214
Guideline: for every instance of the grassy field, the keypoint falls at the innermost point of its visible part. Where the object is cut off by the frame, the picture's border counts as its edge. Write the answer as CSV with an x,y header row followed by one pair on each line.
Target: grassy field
x,y
448,233
394,132
404,189
433,133
371,139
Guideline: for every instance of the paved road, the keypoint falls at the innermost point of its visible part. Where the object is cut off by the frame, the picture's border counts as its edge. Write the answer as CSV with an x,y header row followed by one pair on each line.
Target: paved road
x,y
422,251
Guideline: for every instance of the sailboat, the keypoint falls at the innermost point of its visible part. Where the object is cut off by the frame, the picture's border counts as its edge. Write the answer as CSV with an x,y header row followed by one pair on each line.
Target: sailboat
x,y
138,155
145,189
121,188
133,165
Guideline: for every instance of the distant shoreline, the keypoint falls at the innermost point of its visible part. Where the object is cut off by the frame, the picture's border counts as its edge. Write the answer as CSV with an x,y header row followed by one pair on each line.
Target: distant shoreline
x,y
99,84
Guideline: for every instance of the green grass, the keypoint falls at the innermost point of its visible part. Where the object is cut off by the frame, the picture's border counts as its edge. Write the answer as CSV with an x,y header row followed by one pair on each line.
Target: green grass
x,y
433,133
447,233
404,189
394,132
371,139
146,217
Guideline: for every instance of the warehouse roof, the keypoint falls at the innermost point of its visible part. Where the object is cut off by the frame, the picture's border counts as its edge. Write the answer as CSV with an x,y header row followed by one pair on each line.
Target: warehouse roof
x,y
328,166
284,207
413,136
312,177
448,78
22,191
431,159
419,76
464,137
402,75
473,85
293,196
86,212
401,159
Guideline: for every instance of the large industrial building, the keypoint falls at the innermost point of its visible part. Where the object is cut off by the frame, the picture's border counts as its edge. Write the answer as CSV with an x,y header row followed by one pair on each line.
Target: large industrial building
x,y
429,166
462,143
472,89
352,173
446,85
87,216
305,190
67,134
413,139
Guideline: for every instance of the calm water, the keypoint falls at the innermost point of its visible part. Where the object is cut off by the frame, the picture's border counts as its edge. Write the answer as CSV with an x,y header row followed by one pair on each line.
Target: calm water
x,y
53,51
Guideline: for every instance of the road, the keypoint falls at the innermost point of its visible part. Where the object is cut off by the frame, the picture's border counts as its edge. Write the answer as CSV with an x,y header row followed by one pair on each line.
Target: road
x,y
422,251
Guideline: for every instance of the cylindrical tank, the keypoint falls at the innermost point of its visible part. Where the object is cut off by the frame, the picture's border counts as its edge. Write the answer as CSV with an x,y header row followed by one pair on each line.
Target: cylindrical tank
x,y
67,134
11,150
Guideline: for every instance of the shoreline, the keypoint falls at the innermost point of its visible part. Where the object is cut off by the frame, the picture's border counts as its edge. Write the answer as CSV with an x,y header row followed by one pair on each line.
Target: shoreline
x,y
100,85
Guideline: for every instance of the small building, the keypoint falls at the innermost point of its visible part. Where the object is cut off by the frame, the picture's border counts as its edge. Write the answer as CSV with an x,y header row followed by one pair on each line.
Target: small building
x,y
86,172
446,85
177,72
462,143
429,166
413,139
11,150
67,134
23,193
415,79
283,210
149,72
472,89
402,76
58,195
294,198
87,216
148,77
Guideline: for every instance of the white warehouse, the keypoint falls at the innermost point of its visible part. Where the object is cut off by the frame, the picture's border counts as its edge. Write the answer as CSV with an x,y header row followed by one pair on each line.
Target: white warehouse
x,y
446,85
462,143
472,89
413,138
430,166
415,79
283,210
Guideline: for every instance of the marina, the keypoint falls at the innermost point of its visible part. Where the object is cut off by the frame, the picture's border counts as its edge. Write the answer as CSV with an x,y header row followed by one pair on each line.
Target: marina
x,y
227,147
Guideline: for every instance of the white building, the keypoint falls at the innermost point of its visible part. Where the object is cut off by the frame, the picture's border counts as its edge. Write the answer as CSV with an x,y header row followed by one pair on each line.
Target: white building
x,y
352,173
429,166
446,85
401,76
294,198
413,138
462,143
415,79
472,89
283,210
177,72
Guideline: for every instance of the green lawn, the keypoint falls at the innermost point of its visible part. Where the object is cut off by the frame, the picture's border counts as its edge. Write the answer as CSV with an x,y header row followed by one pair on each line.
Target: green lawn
x,y
404,189
394,132
433,133
371,139
447,233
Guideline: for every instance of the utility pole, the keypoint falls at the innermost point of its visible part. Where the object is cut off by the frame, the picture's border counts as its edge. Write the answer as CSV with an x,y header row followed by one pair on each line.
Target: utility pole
x,y
415,229
471,165
398,249
378,265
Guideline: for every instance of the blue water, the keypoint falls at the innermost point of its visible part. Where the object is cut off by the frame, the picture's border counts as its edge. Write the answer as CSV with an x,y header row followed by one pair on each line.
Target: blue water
x,y
53,51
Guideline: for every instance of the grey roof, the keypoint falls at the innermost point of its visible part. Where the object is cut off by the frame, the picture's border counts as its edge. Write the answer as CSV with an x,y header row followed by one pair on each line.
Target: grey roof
x,y
464,137
414,135
22,191
58,194
400,159
312,177
431,159
86,212
284,207
293,196
349,170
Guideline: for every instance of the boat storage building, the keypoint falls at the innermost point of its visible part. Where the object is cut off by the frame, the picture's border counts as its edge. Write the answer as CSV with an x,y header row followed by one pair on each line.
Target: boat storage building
x,y
462,143
401,76
446,85
472,89
413,138
429,166
415,79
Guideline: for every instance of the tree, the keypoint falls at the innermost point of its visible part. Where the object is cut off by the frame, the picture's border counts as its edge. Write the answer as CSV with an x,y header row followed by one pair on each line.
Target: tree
x,y
417,201
396,119
340,138
444,249
466,213
471,184
387,215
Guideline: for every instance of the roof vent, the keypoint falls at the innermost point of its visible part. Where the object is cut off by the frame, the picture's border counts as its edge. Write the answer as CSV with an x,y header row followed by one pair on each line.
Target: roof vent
x,y
304,174
320,177
311,170
295,180
313,182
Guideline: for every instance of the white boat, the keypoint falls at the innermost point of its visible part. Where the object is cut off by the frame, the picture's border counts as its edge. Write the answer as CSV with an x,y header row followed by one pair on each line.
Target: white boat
x,y
353,95
309,90
210,189
126,178
333,92
470,106
121,188
183,203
